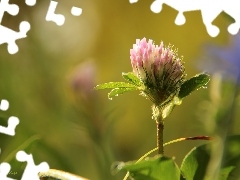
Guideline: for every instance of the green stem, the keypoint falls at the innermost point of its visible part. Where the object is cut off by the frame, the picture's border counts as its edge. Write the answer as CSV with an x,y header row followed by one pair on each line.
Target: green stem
x,y
157,116
160,127
165,144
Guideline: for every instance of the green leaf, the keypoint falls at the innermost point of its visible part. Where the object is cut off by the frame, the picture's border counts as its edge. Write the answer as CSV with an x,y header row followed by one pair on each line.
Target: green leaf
x,y
193,84
118,91
224,172
157,168
232,156
195,163
112,85
131,78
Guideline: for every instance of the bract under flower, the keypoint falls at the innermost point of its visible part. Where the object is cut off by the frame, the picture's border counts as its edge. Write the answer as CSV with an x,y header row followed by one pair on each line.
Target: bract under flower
x,y
159,69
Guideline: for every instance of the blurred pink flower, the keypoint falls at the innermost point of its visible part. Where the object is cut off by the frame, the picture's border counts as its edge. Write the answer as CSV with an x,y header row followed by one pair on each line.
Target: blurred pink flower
x,y
83,79
159,68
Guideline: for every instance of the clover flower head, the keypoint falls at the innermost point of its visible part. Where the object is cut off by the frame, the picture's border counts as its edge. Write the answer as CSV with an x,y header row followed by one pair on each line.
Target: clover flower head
x,y
159,68
159,75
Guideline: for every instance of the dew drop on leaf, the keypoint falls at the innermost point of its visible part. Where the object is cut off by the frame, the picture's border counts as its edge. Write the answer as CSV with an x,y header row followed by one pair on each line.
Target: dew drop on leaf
x,y
177,101
116,166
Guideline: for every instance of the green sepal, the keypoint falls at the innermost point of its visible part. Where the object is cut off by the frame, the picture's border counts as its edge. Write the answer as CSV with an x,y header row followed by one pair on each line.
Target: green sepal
x,y
195,83
118,91
131,78
159,167
170,106
113,85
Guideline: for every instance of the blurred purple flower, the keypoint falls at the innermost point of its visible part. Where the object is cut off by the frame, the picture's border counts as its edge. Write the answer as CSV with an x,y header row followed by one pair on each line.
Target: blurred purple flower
x,y
83,79
224,60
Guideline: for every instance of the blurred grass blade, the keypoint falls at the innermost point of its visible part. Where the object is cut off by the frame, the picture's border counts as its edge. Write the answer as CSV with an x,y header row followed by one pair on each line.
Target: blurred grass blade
x,y
25,146
131,78
195,83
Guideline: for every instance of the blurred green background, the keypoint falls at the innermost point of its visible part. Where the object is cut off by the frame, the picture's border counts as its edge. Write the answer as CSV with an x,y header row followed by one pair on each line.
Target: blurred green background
x,y
44,93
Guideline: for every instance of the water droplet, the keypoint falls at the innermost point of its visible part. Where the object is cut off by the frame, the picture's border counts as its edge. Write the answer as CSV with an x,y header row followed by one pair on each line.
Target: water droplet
x,y
116,166
177,101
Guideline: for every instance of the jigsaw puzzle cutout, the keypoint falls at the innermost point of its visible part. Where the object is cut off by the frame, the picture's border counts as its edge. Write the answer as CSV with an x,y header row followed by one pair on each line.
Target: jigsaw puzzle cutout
x,y
30,2
4,105
209,10
31,171
76,11
4,171
59,19
12,121
8,35
11,36
133,1
10,130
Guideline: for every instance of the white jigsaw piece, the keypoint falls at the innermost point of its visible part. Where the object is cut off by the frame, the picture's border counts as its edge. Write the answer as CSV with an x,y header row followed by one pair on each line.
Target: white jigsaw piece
x,y
31,171
209,10
30,2
4,171
12,9
59,19
4,105
12,121
8,35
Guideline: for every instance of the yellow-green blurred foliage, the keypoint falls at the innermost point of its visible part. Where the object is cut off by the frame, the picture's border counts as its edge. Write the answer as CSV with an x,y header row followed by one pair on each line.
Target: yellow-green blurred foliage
x,y
37,81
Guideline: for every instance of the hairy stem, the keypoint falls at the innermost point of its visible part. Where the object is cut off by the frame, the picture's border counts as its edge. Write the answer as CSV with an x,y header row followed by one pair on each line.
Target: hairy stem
x,y
160,127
